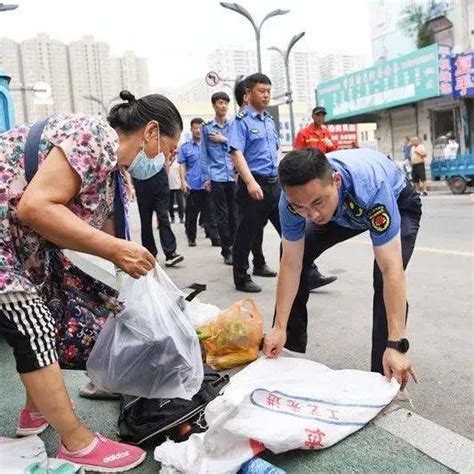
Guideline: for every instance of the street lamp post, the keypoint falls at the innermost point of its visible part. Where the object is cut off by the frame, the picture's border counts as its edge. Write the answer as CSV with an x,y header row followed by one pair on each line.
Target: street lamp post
x,y
4,7
257,28
286,59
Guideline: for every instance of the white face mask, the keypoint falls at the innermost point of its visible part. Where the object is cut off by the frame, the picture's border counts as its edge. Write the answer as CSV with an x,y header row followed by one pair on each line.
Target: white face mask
x,y
143,167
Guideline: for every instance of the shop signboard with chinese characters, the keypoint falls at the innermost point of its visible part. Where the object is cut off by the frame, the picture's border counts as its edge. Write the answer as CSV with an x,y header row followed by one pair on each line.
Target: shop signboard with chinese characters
x,y
410,78
463,75
445,70
345,134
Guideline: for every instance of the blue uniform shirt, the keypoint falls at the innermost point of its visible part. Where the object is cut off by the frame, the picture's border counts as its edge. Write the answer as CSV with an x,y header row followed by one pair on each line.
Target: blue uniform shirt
x,y
371,184
217,164
255,135
190,155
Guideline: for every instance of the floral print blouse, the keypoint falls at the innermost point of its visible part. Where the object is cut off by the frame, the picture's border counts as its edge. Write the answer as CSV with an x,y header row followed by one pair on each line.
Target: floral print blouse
x,y
90,147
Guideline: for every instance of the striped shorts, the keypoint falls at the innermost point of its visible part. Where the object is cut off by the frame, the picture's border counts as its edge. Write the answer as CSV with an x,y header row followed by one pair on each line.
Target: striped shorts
x,y
28,328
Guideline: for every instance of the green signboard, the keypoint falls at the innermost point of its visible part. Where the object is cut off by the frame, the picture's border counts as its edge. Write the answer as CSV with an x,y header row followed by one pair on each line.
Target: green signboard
x,y
410,78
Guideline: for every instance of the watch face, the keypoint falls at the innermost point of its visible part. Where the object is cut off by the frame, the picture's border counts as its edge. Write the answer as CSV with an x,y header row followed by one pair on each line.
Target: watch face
x,y
404,345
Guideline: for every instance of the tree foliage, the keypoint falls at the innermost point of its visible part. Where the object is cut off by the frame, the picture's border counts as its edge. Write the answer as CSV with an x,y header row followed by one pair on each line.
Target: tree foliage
x,y
414,21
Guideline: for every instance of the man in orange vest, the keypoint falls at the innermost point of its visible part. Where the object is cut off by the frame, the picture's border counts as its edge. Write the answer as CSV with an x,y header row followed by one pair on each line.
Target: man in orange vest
x,y
316,134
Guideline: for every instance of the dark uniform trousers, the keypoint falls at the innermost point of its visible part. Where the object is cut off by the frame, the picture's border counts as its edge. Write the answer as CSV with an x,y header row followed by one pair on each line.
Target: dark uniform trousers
x,y
223,198
322,237
252,217
153,195
176,195
199,201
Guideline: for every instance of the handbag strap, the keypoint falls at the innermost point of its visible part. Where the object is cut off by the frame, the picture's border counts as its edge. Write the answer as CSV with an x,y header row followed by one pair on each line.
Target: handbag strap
x,y
122,228
32,148
32,145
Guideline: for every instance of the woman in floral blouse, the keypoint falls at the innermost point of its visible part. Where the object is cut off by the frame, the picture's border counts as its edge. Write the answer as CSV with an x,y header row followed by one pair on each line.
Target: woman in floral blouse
x,y
69,202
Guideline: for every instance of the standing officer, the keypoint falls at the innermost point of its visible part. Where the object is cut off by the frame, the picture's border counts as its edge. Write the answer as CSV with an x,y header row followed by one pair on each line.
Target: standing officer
x,y
253,143
316,134
259,261
218,173
197,198
334,199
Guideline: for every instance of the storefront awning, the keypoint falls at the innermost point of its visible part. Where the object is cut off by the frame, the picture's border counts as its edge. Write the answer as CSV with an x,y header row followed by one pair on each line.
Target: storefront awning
x,y
420,75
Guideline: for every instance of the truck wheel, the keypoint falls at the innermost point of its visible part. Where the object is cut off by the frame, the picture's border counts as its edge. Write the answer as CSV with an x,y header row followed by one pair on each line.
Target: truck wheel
x,y
458,185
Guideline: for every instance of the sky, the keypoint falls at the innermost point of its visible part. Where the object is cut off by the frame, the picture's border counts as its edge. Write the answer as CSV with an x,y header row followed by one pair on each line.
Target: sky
x,y
176,35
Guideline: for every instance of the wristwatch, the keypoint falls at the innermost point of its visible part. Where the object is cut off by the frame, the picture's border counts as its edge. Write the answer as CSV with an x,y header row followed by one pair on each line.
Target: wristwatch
x,y
401,346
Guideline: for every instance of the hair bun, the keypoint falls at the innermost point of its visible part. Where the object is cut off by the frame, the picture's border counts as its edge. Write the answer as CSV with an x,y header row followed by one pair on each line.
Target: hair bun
x,y
128,96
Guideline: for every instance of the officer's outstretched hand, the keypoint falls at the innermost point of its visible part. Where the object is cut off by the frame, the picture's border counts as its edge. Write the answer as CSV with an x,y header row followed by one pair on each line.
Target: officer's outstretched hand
x,y
274,342
255,190
396,364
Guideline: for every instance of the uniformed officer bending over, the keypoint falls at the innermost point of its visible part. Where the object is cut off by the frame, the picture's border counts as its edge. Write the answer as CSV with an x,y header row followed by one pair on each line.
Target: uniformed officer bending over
x,y
332,199
253,143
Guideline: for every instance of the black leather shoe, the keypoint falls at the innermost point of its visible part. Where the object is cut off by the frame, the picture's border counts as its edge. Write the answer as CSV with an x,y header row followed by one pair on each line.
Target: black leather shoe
x,y
264,272
248,286
215,242
317,281
192,243
228,260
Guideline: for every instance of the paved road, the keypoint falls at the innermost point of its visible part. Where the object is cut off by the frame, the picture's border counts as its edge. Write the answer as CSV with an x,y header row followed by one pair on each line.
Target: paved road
x,y
440,282
440,329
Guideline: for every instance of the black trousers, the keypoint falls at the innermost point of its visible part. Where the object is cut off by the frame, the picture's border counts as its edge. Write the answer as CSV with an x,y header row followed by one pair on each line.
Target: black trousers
x,y
153,195
176,195
253,215
223,198
322,237
199,201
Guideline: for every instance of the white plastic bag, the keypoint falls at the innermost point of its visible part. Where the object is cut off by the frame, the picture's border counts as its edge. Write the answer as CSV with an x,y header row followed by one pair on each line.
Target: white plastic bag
x,y
150,349
200,313
281,404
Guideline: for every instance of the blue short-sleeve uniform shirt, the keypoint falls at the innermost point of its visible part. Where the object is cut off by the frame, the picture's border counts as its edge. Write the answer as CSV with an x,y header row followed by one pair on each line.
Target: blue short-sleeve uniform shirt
x,y
190,155
217,164
371,184
254,134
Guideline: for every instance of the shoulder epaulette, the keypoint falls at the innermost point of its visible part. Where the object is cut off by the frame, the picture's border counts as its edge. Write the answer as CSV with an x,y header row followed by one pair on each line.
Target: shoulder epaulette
x,y
241,115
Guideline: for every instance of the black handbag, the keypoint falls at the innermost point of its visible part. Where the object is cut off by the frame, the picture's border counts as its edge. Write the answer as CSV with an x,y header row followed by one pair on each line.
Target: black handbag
x,y
145,421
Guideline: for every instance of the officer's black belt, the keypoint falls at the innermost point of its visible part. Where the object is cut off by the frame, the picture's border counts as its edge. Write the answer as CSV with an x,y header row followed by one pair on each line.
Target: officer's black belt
x,y
265,179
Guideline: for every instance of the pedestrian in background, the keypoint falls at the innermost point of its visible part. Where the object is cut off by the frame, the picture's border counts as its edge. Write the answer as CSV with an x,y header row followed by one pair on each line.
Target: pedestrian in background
x,y
192,184
418,172
176,193
407,149
451,148
253,143
218,173
153,195
316,134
